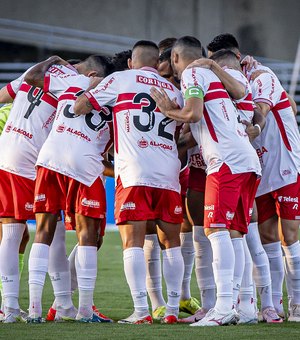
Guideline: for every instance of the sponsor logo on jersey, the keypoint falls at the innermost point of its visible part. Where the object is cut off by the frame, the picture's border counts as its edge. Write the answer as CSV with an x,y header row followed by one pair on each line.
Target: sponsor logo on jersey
x,y
197,161
229,215
295,206
250,211
103,88
61,128
178,210
128,206
127,122
209,207
287,199
90,203
261,151
272,89
142,143
49,121
161,145
210,214
286,172
40,198
259,84
9,127
28,206
153,82
224,111
23,132
78,134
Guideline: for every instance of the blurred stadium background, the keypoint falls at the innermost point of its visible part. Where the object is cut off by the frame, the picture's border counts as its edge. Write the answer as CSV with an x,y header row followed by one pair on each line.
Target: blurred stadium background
x,y
31,31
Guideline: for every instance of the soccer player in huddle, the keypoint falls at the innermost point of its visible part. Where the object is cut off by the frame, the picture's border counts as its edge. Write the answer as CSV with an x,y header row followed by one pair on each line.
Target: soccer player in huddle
x,y
232,173
142,134
69,177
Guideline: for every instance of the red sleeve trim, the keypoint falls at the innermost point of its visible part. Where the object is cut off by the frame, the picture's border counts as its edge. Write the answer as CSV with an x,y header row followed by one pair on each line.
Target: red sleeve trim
x,y
263,100
93,101
10,91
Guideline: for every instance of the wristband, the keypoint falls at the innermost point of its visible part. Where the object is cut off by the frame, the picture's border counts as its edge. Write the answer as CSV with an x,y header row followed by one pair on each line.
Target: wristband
x,y
259,128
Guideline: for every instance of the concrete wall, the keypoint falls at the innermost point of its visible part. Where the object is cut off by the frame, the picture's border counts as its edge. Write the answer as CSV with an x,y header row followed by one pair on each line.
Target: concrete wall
x,y
269,28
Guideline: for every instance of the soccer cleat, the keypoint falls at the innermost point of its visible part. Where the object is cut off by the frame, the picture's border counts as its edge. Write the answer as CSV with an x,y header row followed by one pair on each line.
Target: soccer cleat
x,y
136,320
190,306
65,315
169,319
93,318
294,313
13,315
51,314
103,317
214,318
247,318
199,315
1,316
269,315
34,318
159,312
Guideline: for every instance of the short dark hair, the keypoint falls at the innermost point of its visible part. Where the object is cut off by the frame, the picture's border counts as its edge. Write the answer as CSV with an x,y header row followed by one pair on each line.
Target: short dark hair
x,y
224,54
145,43
101,64
74,61
166,43
120,59
188,41
223,41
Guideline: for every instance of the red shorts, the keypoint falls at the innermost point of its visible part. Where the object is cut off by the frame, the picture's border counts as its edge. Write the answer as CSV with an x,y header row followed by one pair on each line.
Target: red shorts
x,y
184,179
16,196
197,179
70,223
54,191
141,203
283,202
229,199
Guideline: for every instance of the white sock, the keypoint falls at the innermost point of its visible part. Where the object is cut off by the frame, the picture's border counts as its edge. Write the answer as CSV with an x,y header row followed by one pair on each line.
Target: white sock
x,y
239,267
71,258
173,269
86,269
261,266
203,268
223,266
135,272
246,301
274,253
12,234
292,256
153,268
58,270
38,267
188,254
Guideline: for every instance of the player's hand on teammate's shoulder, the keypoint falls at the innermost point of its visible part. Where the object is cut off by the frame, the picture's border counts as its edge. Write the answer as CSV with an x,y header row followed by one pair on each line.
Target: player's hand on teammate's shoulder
x,y
58,60
163,101
249,62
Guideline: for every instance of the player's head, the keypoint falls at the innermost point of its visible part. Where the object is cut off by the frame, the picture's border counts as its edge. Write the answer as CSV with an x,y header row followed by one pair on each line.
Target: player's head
x,y
184,51
120,60
95,66
164,66
226,58
74,61
224,41
144,53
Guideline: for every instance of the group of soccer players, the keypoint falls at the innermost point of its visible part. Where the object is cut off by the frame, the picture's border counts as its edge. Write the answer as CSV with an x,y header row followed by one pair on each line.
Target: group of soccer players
x,y
196,142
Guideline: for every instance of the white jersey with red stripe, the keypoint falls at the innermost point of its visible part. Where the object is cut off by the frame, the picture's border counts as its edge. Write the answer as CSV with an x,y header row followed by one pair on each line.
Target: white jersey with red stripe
x,y
278,146
76,144
245,105
218,130
29,124
195,158
145,147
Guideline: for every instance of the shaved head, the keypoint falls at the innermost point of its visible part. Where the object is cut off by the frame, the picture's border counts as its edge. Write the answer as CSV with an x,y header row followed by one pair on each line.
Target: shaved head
x,y
188,48
144,53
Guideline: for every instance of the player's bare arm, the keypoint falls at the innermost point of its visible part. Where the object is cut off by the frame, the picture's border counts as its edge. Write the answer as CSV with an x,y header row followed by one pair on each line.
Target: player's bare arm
x,y
191,112
5,97
35,76
82,105
263,107
293,104
232,86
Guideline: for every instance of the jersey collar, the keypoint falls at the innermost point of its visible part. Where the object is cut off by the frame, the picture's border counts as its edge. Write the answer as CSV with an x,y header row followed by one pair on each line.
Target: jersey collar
x,y
147,68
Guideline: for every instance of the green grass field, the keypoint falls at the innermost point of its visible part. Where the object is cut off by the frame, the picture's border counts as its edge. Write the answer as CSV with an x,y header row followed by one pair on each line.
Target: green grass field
x,y
112,297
